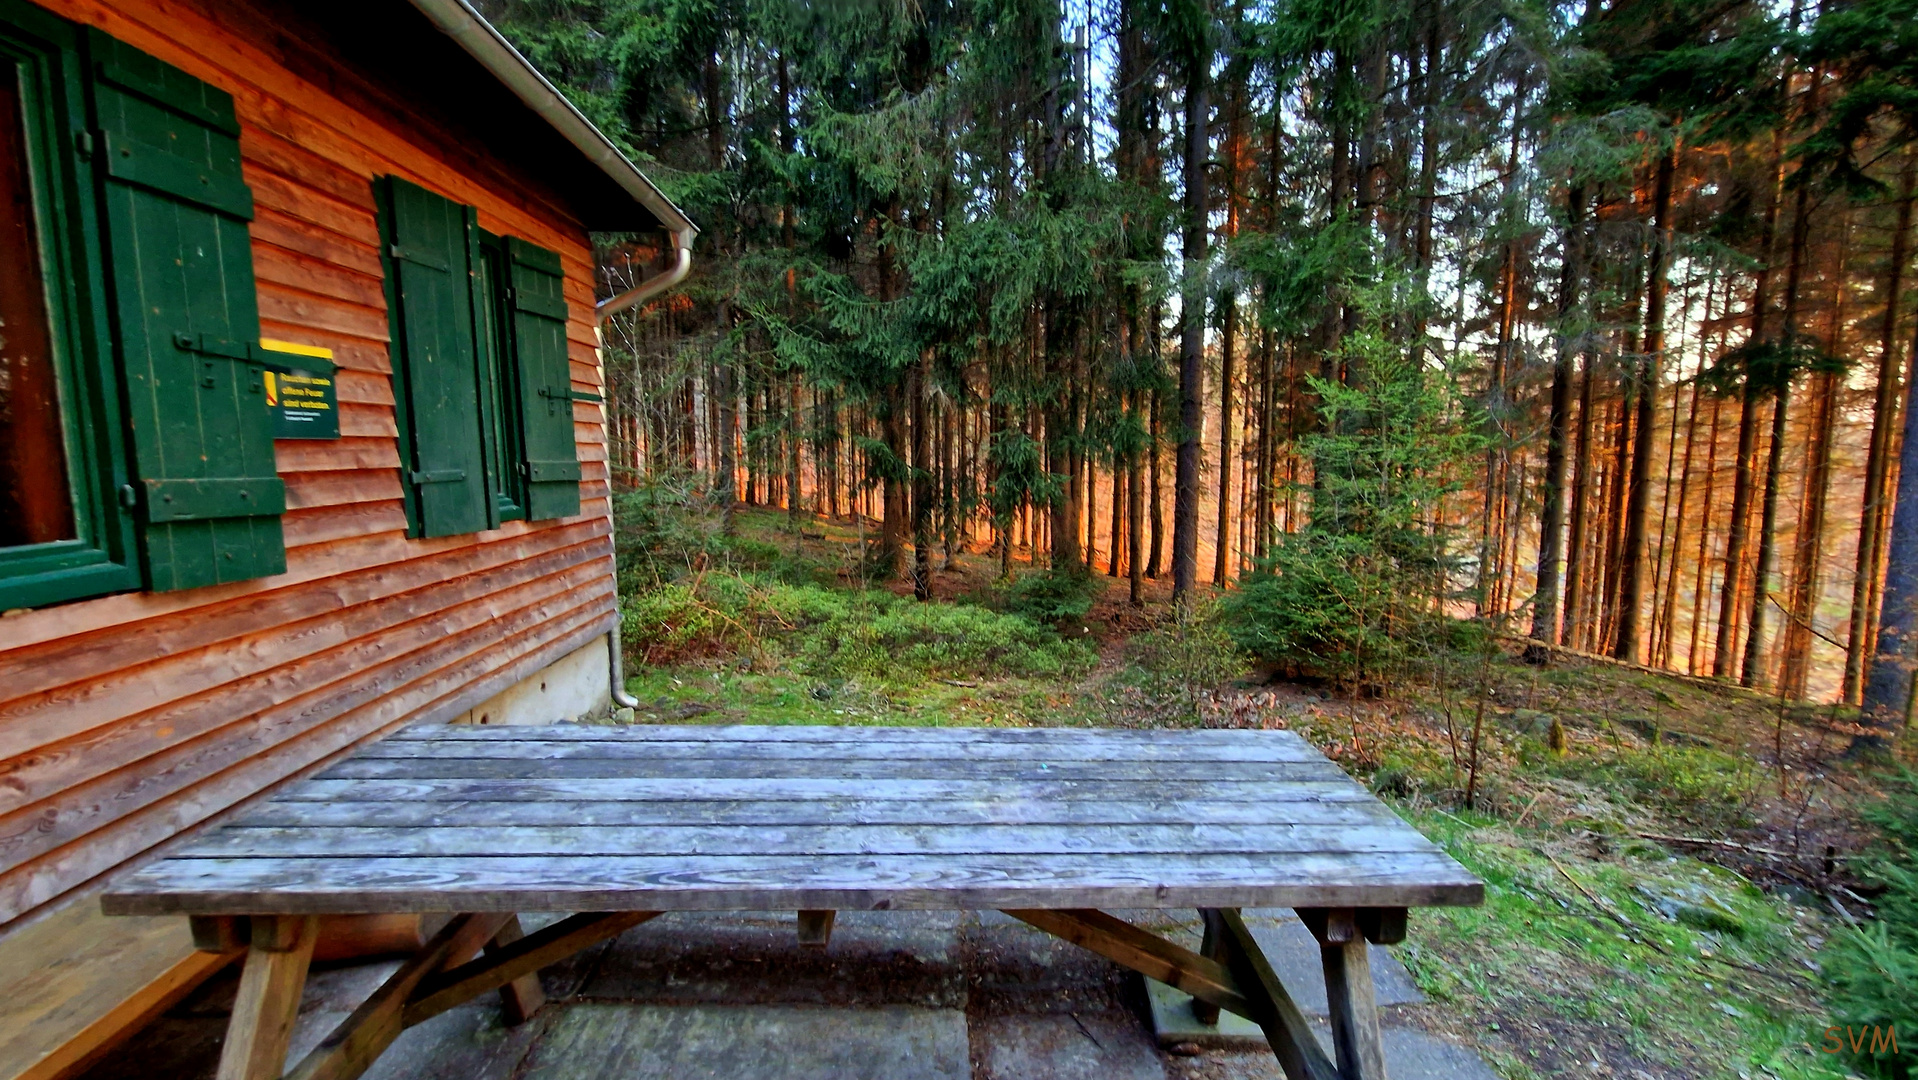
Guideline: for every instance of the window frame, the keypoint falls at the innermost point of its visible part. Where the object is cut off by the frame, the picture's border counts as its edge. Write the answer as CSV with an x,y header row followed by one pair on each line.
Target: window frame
x,y
500,375
46,52
491,319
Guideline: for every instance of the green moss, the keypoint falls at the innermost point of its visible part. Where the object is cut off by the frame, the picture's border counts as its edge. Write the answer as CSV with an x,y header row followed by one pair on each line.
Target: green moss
x,y
1703,785
1687,1000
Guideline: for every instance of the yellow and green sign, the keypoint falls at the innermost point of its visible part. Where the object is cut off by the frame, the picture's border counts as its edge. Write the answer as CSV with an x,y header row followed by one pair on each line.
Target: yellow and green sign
x,y
300,392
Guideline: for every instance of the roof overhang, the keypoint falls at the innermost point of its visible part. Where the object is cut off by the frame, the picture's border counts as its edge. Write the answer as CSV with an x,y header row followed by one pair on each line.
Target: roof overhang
x,y
459,21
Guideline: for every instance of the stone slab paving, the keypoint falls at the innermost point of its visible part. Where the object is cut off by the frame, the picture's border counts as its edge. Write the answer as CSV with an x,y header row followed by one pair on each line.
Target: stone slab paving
x,y
1095,1046
896,996
1410,1054
777,1042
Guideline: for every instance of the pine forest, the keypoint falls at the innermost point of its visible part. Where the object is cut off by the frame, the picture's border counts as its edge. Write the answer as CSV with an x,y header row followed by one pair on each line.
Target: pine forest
x,y
1590,321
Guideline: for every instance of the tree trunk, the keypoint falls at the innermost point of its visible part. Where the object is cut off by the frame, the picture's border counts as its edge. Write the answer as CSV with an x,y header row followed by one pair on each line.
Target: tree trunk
x,y
921,482
725,468
1753,675
1751,670
1552,496
893,523
1222,550
1732,589
1135,513
1808,551
1704,540
1155,562
1228,331
1570,628
1639,493
1185,498
1888,684
1871,528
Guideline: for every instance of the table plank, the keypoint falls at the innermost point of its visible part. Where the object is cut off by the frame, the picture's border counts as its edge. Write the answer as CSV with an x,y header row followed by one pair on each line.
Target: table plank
x,y
674,789
771,883
739,734
480,815
563,768
662,818
888,748
521,840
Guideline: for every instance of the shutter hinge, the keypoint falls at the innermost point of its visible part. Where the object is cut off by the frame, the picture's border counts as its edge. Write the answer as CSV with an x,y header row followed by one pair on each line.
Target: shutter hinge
x,y
83,143
438,476
417,256
129,496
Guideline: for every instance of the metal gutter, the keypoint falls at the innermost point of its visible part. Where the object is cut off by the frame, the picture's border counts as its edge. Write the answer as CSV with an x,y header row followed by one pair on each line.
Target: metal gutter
x,y
459,21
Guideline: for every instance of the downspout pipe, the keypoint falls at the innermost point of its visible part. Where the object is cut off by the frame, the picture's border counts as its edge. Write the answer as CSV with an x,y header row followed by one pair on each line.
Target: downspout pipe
x,y
606,309
658,283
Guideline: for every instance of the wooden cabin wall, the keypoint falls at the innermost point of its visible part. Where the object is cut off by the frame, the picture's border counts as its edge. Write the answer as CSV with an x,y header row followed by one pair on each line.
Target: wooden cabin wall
x,y
128,719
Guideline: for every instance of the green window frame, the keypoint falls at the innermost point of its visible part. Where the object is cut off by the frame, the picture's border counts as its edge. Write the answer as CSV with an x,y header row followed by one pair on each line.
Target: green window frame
x,y
140,215
480,368
505,448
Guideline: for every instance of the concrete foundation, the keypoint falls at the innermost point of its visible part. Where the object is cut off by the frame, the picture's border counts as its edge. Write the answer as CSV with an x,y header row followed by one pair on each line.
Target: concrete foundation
x,y
576,687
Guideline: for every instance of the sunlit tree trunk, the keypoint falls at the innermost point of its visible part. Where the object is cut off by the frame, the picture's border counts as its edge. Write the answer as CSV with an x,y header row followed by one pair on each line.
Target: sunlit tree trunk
x,y
1871,530
1552,486
1632,563
1185,502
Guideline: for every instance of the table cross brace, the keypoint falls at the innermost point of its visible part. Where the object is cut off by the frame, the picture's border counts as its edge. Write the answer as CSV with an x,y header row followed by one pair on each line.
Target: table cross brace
x,y
1237,978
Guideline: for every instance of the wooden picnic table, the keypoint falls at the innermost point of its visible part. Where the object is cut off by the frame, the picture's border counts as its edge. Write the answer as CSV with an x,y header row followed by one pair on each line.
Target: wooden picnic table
x,y
621,824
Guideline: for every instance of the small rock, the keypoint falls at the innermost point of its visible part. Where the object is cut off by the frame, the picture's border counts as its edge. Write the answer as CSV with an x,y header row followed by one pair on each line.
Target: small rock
x,y
1693,907
1185,1049
623,716
1715,920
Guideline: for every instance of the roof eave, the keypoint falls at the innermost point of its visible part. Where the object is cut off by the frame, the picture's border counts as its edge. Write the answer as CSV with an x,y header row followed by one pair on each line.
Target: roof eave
x,y
459,21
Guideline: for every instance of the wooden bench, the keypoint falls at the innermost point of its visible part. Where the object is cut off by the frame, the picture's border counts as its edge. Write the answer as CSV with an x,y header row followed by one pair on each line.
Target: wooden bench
x,y
89,982
622,824
82,983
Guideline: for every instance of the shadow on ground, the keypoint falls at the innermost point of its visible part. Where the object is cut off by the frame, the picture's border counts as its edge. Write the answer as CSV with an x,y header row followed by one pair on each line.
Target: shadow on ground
x,y
895,996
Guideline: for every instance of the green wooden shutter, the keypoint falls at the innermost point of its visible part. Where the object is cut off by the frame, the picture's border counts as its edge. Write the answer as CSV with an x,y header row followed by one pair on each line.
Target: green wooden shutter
x,y
181,268
545,381
430,263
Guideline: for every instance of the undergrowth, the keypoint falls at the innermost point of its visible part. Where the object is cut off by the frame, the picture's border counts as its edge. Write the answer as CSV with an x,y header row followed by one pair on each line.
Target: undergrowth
x,y
1594,801
1872,969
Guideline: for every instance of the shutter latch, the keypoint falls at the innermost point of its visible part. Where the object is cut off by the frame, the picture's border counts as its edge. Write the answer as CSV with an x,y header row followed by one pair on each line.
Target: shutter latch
x,y
211,349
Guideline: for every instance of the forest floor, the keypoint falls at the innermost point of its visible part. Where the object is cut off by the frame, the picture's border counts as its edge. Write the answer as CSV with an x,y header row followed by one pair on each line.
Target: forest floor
x,y
1657,892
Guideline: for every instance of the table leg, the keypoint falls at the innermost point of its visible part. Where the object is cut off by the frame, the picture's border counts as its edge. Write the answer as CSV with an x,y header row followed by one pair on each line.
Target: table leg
x,y
1240,980
1212,947
815,928
1355,1011
1286,1029
522,997
1349,993
269,999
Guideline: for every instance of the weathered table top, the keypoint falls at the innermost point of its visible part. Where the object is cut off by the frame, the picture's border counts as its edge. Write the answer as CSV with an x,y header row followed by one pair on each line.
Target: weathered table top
x,y
458,818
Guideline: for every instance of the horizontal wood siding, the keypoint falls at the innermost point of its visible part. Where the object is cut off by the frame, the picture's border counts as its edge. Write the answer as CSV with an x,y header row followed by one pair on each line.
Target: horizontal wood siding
x,y
128,719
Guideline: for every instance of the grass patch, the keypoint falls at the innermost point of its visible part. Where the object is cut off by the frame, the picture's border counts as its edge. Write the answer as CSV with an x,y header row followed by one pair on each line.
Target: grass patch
x,y
1700,785
829,633
1553,980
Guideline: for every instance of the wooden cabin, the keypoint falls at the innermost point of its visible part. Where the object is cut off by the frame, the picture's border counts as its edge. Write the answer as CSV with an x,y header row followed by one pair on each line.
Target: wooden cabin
x,y
300,434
